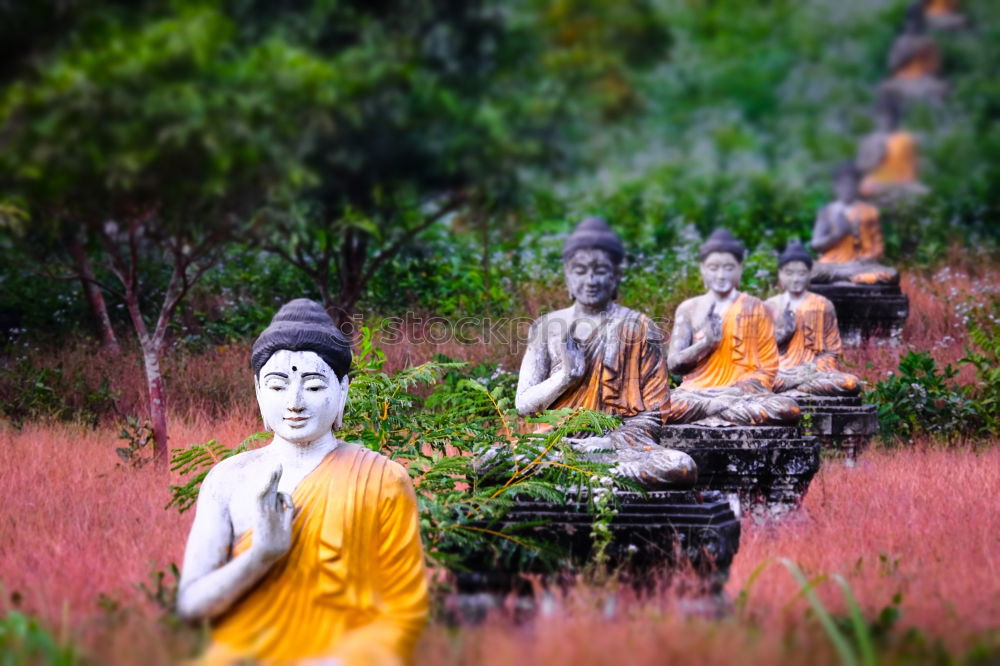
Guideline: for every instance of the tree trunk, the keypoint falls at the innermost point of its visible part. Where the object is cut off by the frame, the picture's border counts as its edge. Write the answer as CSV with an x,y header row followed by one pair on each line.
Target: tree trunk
x,y
98,308
157,405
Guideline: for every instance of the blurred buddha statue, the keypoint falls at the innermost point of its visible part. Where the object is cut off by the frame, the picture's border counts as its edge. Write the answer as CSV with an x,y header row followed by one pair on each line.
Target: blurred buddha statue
x,y
600,355
848,236
887,158
915,62
307,550
805,328
943,14
723,344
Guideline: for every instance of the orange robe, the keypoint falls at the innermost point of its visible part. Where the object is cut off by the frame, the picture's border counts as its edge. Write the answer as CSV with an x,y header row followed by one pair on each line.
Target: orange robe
x,y
745,359
747,351
626,374
351,587
937,7
868,244
816,338
898,166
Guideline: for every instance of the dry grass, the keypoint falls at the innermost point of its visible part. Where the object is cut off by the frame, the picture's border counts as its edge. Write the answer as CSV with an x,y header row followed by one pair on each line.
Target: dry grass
x,y
920,522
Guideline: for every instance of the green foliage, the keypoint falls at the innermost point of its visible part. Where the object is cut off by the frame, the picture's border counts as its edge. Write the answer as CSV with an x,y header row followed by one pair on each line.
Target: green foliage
x,y
24,642
137,435
920,399
986,360
29,393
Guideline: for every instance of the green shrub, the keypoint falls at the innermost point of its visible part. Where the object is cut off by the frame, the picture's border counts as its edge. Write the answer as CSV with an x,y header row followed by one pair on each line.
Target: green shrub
x,y
921,399
24,642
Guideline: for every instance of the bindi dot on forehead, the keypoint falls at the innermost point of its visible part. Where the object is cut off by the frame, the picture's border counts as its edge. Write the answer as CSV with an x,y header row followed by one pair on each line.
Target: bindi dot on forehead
x,y
294,369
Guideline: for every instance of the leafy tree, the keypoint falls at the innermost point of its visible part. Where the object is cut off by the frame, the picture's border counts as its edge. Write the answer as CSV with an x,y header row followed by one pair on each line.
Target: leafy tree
x,y
150,138
441,106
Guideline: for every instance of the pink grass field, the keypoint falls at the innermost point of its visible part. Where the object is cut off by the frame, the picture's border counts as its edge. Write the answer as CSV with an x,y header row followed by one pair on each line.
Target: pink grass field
x,y
920,522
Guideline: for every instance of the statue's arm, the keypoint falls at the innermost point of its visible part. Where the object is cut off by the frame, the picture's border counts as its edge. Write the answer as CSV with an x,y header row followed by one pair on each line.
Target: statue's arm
x,y
828,229
537,386
210,582
397,559
684,355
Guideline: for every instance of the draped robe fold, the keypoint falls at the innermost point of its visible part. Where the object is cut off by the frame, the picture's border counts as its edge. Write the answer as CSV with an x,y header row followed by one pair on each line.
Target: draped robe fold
x,y
625,376
815,344
352,586
734,382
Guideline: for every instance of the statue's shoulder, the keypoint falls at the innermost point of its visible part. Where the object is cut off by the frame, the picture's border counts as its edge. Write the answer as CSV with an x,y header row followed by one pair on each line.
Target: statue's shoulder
x,y
689,305
233,472
751,303
822,302
773,303
559,317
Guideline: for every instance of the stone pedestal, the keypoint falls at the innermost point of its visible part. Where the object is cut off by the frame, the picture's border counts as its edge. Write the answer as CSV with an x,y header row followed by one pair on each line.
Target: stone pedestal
x,y
768,468
867,311
650,534
843,425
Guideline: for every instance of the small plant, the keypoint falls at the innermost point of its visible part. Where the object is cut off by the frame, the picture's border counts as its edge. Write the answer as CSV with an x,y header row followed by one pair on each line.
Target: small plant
x,y
24,641
137,435
986,361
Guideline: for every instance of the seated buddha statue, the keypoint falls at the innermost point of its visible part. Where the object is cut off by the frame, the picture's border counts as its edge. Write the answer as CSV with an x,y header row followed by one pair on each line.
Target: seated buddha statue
x,y
848,236
887,158
723,345
307,550
805,328
915,62
943,14
600,355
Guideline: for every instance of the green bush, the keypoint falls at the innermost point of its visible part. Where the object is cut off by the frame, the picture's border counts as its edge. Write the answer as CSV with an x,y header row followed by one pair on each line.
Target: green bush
x,y
24,642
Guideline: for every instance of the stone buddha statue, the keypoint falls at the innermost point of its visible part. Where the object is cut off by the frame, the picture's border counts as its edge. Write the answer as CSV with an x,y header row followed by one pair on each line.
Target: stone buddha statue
x,y
848,236
723,345
805,328
600,355
943,14
887,158
308,549
915,62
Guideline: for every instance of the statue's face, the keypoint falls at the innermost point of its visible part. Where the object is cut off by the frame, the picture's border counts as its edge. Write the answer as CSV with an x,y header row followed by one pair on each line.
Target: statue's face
x,y
794,277
721,273
847,189
591,277
299,395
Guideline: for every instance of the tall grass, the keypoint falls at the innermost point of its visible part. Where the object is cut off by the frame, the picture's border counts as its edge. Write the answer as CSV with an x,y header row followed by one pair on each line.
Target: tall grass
x,y
79,532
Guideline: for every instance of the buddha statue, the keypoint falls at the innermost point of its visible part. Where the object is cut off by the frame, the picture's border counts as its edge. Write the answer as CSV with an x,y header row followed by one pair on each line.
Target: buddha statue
x,y
848,236
915,62
887,158
943,14
805,328
308,549
723,345
599,355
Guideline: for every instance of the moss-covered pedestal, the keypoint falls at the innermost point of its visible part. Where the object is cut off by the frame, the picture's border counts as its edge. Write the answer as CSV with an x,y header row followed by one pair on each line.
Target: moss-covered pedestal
x,y
865,312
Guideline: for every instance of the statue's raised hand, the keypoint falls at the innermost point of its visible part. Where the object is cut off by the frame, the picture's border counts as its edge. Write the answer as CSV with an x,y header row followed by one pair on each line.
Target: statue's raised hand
x,y
272,533
788,319
574,362
710,331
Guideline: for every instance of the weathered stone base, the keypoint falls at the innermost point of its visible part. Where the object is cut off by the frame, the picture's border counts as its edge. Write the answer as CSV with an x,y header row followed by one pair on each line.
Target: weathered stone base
x,y
867,311
651,534
843,425
768,468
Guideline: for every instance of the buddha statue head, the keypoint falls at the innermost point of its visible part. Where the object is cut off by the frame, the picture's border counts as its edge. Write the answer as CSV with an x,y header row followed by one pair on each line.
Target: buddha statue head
x,y
301,363
794,267
846,179
721,262
592,258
